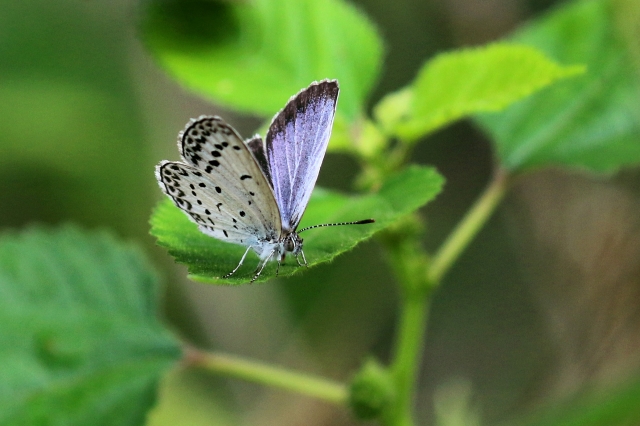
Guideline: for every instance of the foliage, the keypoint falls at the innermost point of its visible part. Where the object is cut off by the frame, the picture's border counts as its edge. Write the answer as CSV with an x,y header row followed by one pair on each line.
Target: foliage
x,y
589,122
80,340
445,89
253,56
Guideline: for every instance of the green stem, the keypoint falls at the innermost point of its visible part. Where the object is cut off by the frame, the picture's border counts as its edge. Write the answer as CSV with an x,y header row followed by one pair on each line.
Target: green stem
x,y
409,260
257,372
468,227
409,347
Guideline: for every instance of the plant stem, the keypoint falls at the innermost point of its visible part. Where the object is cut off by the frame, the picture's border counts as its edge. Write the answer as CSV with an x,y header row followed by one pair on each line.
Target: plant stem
x,y
409,346
468,227
409,262
257,372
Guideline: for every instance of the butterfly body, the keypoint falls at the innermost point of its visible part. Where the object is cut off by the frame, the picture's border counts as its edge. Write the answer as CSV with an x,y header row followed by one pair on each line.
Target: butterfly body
x,y
253,192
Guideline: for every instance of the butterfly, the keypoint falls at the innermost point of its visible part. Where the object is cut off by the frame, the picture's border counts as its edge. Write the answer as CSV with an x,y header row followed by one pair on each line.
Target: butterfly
x,y
254,192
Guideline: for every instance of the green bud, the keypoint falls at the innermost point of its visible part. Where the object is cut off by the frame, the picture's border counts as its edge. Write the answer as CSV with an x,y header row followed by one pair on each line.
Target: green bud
x,y
371,391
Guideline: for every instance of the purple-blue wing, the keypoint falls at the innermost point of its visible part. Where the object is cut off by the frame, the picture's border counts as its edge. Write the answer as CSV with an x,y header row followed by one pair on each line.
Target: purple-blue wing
x,y
296,143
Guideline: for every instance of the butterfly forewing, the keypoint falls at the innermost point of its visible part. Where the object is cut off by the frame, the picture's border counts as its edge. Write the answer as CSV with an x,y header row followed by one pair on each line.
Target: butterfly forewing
x,y
256,146
296,143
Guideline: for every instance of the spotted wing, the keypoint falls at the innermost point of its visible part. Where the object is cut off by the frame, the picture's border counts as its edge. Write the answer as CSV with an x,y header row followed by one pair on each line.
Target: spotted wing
x,y
221,188
296,143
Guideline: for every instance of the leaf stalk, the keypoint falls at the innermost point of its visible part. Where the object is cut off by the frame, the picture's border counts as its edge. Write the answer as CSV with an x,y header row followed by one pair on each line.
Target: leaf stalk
x,y
257,372
468,227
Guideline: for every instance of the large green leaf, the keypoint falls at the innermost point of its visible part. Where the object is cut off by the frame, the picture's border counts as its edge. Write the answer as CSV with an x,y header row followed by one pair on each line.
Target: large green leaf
x,y
80,341
209,259
591,121
456,84
252,56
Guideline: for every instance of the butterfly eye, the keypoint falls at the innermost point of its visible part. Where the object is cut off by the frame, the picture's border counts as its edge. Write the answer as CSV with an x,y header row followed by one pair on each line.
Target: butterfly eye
x,y
289,244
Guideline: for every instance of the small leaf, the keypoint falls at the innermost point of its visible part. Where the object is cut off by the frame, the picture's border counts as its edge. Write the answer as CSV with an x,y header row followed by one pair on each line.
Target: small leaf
x,y
591,122
362,137
80,341
393,109
208,259
371,142
453,85
252,56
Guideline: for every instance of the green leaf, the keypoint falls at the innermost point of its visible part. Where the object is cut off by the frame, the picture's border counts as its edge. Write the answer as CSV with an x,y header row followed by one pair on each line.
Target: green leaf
x,y
453,85
209,259
591,122
253,56
80,341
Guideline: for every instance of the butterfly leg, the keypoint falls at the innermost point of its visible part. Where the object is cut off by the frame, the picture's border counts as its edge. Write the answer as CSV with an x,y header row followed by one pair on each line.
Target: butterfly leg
x,y
303,258
239,264
261,267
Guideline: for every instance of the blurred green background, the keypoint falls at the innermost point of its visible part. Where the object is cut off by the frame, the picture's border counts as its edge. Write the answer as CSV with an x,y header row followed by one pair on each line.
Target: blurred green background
x,y
537,308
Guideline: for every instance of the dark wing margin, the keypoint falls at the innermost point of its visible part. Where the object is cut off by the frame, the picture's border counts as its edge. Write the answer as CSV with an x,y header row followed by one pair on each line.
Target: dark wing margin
x,y
296,144
256,146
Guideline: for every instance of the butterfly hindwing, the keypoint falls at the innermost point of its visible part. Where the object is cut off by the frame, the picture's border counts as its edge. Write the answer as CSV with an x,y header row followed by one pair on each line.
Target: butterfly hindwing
x,y
296,143
215,212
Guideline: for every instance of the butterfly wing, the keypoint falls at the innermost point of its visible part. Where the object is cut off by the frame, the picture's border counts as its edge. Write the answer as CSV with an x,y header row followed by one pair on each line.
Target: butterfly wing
x,y
296,143
257,148
221,187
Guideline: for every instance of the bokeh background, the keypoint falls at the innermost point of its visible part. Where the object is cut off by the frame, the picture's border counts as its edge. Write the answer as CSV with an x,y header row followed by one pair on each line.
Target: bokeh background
x,y
544,304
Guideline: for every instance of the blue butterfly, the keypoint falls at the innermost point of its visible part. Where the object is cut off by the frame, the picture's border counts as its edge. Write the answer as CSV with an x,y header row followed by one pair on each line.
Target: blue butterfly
x,y
254,192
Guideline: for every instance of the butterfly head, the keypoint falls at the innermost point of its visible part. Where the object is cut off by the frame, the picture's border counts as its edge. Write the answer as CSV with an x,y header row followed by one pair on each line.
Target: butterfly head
x,y
293,243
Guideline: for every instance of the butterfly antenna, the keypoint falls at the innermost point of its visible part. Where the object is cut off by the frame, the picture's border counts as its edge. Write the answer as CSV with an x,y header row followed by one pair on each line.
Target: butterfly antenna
x,y
357,222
